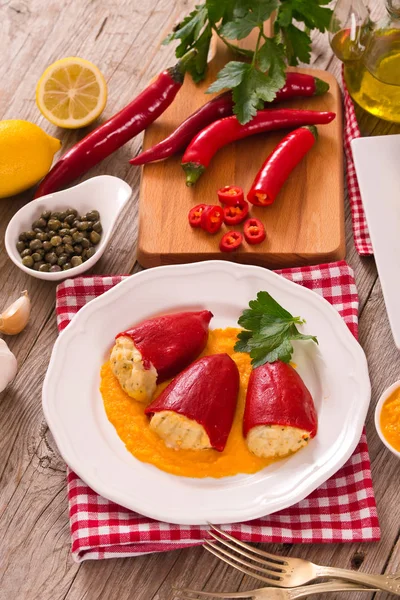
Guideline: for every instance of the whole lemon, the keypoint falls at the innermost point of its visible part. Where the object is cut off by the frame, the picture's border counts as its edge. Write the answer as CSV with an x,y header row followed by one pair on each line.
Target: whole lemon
x,y
26,154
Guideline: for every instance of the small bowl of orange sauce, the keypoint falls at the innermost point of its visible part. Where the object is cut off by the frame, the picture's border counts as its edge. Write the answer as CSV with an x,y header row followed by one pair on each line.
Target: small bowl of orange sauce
x,y
387,418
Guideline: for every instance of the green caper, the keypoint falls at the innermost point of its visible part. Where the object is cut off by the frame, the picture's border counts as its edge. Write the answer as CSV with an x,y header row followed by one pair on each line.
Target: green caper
x,y
38,264
76,223
62,260
90,252
94,237
93,215
97,227
62,215
26,252
55,240
21,246
76,261
46,214
41,252
22,237
85,243
83,225
54,269
78,249
60,249
45,268
51,233
43,237
77,237
67,239
36,257
47,246
54,224
27,261
41,223
55,215
69,219
71,211
51,257
63,232
72,231
38,230
65,225
30,235
68,248
35,244
67,266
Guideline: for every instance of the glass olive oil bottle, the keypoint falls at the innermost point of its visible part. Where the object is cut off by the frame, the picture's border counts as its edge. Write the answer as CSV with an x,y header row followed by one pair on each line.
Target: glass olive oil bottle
x,y
371,56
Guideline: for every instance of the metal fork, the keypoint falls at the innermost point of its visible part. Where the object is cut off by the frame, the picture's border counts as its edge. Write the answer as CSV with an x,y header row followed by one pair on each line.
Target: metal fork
x,y
283,571
271,593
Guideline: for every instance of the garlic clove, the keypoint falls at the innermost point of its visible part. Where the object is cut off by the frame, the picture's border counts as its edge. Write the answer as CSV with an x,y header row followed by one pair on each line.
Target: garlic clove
x,y
8,365
16,316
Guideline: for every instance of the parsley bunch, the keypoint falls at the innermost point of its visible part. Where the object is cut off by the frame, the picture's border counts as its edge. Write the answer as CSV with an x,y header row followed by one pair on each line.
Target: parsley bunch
x,y
268,331
256,81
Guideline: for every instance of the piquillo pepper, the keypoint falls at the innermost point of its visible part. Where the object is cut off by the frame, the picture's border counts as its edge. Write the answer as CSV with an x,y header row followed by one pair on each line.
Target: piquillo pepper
x,y
230,195
280,163
296,85
194,215
230,241
233,215
115,132
254,231
205,144
212,218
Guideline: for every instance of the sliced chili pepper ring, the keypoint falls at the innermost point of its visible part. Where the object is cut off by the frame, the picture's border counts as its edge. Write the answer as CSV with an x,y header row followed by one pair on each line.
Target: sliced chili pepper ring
x,y
233,215
254,231
230,195
194,215
230,241
212,218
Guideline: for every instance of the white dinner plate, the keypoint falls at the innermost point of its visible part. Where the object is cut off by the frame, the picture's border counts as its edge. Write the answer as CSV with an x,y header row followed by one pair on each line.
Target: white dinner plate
x,y
335,372
377,164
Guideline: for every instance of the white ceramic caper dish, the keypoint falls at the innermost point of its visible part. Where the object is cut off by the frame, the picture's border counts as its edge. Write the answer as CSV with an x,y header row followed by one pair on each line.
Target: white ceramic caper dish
x,y
106,194
378,410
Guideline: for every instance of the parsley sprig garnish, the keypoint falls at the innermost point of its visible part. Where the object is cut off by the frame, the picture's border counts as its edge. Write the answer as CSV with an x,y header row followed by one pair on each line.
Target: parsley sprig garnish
x,y
268,332
255,82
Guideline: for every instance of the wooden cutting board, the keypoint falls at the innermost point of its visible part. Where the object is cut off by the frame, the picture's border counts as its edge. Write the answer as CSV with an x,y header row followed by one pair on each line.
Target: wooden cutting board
x,y
305,225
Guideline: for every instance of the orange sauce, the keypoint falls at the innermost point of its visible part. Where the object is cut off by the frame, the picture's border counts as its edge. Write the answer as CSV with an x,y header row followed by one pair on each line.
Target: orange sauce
x,y
132,425
390,419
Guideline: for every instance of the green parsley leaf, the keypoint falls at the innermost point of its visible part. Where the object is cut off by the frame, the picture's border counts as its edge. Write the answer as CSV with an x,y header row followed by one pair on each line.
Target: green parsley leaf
x,y
229,77
268,330
297,45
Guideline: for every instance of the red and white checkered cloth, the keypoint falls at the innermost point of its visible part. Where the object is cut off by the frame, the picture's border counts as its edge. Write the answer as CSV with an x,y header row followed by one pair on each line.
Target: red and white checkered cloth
x,y
343,509
362,241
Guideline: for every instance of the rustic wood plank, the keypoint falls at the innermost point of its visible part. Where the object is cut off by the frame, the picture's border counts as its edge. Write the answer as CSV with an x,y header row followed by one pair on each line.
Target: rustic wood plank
x,y
123,38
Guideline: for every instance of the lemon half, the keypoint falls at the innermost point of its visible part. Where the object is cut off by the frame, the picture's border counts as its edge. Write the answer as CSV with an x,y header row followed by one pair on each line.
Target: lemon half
x,y
71,93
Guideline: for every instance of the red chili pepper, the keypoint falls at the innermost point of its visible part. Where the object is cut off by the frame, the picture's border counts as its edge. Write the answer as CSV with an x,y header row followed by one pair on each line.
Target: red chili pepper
x,y
205,392
296,85
280,163
230,195
254,231
276,395
212,218
230,241
170,342
233,215
115,132
195,215
203,147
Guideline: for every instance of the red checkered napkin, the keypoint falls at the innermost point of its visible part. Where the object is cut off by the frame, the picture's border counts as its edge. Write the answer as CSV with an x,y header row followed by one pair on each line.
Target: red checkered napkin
x,y
362,241
341,510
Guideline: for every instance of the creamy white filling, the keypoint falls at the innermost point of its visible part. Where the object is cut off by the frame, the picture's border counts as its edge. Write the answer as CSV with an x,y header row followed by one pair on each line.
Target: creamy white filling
x,y
127,365
179,432
271,441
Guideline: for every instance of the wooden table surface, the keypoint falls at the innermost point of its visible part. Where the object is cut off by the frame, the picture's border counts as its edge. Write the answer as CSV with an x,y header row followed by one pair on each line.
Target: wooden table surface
x,y
123,37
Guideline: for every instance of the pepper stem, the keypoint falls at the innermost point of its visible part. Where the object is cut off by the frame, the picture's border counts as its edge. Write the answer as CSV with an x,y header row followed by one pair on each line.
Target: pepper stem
x,y
193,172
321,87
177,72
312,129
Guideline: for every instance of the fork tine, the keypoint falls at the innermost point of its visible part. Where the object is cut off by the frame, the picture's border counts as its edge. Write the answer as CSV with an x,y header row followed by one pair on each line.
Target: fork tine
x,y
213,594
274,575
272,566
274,557
216,552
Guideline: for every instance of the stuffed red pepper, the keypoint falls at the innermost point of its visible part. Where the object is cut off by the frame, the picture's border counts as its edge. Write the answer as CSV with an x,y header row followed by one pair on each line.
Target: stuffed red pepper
x,y
279,416
196,410
158,349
